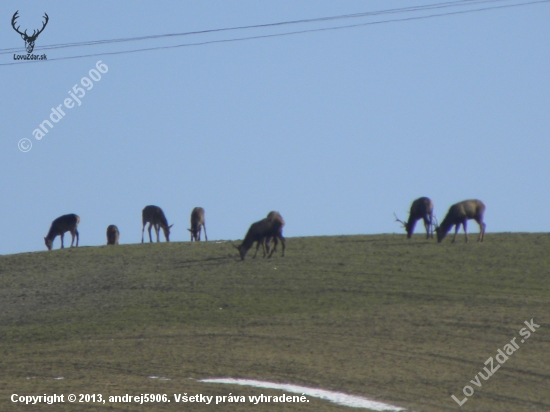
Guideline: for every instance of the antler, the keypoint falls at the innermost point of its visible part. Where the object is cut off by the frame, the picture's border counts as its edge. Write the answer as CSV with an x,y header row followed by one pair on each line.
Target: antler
x,y
34,33
43,26
15,16
400,221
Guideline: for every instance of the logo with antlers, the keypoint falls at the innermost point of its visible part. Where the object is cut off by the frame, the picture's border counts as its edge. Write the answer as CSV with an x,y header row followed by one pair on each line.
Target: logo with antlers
x,y
29,40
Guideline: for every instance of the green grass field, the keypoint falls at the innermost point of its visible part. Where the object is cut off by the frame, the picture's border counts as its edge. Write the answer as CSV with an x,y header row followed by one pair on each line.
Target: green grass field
x,y
408,323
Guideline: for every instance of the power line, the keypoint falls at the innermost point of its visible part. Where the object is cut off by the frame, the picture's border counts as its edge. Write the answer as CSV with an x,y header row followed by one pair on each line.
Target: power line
x,y
391,11
447,4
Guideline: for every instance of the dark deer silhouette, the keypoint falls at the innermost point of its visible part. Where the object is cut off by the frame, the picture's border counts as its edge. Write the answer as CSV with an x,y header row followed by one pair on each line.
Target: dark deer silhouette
x,y
155,216
65,223
112,235
29,40
421,208
459,214
259,231
277,226
197,220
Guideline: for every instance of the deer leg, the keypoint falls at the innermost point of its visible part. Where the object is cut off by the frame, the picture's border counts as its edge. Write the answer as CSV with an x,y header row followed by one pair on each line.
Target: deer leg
x,y
481,231
157,230
465,231
199,234
72,237
264,243
267,242
257,247
274,248
142,230
62,235
457,228
205,237
149,230
427,226
275,242
282,239
76,231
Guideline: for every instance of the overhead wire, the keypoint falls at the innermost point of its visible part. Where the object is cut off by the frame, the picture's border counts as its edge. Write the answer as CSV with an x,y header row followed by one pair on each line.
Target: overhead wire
x,y
432,6
263,36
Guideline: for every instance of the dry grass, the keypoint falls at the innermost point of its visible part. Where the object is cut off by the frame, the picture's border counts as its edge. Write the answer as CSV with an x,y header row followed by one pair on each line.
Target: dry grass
x,y
406,322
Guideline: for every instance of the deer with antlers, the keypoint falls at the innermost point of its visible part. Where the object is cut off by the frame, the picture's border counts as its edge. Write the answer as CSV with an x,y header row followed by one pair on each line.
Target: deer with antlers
x,y
197,220
421,208
155,217
459,214
65,223
29,40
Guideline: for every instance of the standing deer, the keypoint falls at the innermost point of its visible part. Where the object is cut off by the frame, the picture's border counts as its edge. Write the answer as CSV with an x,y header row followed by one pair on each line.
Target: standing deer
x,y
65,223
459,214
197,220
155,216
29,40
112,235
278,224
258,232
421,208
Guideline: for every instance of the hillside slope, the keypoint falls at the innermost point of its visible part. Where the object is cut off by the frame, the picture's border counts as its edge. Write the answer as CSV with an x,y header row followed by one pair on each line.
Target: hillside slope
x,y
409,323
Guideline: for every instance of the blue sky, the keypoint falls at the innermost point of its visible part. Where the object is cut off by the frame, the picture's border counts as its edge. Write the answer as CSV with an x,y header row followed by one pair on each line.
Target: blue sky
x,y
335,129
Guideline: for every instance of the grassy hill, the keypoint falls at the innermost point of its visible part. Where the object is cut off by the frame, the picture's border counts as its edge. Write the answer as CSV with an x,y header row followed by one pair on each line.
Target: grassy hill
x,y
409,323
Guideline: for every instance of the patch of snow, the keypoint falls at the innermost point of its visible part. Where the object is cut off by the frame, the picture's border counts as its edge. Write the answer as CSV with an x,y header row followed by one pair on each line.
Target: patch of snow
x,y
336,397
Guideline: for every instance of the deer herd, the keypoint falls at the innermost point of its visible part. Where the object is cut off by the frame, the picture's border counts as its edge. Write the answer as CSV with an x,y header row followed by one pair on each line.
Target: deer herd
x,y
269,231
458,214
264,232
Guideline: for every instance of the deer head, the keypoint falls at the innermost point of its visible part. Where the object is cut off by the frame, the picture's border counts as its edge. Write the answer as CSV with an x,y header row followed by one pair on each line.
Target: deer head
x,y
194,233
242,250
403,224
29,40
166,230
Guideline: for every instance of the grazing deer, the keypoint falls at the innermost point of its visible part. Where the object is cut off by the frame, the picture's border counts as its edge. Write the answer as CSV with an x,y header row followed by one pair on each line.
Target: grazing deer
x,y
259,231
112,235
65,223
29,40
421,208
197,220
459,214
155,216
